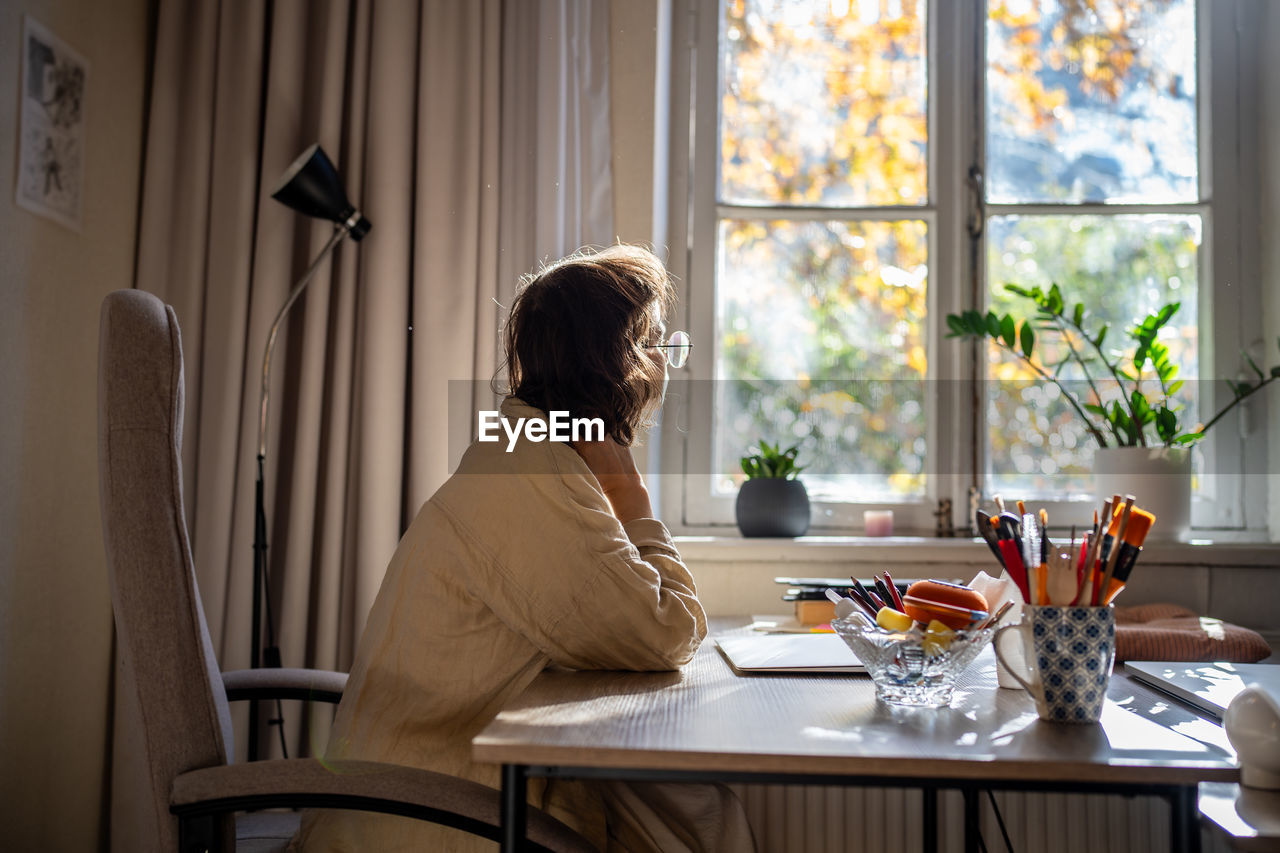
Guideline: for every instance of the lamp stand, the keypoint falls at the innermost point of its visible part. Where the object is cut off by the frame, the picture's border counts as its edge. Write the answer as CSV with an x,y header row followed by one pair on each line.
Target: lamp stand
x,y
270,656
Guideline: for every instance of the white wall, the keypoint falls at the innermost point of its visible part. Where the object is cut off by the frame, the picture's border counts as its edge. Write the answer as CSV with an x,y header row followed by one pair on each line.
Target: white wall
x,y
55,612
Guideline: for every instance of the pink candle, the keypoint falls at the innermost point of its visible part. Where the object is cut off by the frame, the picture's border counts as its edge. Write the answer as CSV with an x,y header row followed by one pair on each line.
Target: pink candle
x,y
878,522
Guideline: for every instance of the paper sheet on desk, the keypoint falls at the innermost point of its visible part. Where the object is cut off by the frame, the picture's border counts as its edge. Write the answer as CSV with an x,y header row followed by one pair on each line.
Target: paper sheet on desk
x,y
786,625
800,653
997,591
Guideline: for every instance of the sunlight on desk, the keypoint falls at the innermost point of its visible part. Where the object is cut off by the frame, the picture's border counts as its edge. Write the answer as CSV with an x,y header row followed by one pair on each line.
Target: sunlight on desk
x,y
1004,735
1126,731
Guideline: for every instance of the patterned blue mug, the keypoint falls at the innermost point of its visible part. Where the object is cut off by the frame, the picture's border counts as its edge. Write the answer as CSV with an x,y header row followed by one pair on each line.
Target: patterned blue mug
x,y
1069,652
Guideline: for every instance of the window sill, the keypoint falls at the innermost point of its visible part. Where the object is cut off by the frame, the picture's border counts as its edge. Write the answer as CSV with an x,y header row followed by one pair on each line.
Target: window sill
x,y
1222,550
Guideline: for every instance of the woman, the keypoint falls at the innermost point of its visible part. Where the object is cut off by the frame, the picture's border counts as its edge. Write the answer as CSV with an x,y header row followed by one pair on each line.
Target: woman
x,y
532,554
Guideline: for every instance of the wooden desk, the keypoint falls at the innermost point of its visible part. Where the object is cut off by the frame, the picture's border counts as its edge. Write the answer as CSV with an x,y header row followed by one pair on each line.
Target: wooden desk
x,y
704,723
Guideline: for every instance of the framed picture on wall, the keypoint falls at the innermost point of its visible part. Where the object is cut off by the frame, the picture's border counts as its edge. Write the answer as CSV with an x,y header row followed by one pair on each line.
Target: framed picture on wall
x,y
51,142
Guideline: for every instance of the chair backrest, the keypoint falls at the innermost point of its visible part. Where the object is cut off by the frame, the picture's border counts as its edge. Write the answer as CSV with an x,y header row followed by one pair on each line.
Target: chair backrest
x,y
171,676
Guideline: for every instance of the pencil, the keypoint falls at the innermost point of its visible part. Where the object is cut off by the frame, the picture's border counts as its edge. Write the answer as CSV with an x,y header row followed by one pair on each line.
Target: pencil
x,y
893,591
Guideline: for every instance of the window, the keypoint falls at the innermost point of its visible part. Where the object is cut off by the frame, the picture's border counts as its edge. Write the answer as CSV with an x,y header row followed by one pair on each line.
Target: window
x,y
860,169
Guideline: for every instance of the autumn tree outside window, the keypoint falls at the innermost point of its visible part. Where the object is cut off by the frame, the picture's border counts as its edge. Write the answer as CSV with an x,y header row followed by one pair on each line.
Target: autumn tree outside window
x,y
862,167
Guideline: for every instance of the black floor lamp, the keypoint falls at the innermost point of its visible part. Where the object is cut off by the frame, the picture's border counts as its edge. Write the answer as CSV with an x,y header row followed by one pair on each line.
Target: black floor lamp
x,y
312,187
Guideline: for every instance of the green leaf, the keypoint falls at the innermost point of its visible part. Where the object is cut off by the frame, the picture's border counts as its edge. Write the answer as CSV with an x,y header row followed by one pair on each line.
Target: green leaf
x,y
956,325
1095,409
1173,387
993,324
1275,371
1020,291
1027,339
1141,408
1102,336
1077,316
1166,424
1008,330
1139,357
1120,419
1055,303
1188,438
1254,365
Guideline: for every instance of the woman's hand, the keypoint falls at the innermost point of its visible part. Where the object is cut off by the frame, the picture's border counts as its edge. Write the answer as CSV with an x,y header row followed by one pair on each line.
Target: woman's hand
x,y
615,468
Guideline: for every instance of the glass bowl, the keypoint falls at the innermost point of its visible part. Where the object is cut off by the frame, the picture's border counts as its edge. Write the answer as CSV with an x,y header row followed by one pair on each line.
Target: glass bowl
x,y
912,667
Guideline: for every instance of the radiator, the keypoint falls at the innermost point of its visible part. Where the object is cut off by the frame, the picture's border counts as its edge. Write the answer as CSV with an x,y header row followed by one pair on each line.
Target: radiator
x,y
812,819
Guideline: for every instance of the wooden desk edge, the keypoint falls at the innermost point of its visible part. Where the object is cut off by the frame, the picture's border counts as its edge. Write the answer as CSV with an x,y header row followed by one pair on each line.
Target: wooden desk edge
x,y
489,750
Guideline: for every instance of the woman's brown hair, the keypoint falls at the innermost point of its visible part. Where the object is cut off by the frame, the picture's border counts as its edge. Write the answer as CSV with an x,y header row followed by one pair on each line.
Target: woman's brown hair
x,y
576,335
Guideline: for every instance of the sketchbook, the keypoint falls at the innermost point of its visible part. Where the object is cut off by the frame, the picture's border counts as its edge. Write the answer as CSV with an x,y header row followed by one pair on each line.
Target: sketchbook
x,y
799,653
1209,686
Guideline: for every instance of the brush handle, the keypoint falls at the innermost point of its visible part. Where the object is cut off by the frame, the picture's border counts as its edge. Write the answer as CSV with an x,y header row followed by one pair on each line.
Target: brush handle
x,y
1013,565
1125,562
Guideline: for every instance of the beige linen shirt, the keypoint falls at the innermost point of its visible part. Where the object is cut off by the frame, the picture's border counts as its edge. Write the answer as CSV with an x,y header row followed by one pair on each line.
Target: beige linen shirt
x,y
515,564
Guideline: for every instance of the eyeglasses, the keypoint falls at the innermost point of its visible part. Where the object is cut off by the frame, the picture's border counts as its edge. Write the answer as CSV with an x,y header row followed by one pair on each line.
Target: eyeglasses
x,y
677,347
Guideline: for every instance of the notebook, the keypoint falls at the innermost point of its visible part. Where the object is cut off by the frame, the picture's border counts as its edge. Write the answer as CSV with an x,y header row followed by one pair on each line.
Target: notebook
x,y
1209,686
800,653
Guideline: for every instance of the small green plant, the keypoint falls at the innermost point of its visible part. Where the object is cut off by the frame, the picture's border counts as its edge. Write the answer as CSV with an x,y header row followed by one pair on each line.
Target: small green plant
x,y
1123,421
770,463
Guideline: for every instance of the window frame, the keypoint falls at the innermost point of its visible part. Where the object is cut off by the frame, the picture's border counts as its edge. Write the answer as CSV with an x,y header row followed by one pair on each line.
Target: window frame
x,y
1228,150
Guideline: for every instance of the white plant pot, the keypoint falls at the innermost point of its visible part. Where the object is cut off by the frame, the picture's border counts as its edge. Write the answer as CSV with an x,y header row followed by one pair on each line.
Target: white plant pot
x,y
1158,477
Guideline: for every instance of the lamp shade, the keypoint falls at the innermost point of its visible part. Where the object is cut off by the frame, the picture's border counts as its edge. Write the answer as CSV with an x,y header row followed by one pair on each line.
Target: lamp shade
x,y
312,187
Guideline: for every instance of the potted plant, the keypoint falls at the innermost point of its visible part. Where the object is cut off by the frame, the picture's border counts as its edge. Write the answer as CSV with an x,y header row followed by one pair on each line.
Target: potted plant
x,y
772,502
1138,429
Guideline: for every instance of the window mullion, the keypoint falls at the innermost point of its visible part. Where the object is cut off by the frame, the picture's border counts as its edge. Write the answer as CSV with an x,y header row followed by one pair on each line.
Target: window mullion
x,y
954,136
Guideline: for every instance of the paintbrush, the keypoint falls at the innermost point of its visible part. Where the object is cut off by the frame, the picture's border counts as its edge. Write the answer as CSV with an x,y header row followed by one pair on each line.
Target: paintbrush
x,y
987,530
1080,569
1110,526
997,616
1139,526
1085,598
1115,548
1043,514
1032,559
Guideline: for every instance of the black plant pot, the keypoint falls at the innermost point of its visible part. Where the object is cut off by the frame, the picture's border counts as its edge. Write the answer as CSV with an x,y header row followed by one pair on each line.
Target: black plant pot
x,y
768,507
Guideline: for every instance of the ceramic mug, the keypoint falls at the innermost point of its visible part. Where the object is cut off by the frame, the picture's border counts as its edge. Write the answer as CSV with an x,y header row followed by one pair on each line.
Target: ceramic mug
x,y
1069,652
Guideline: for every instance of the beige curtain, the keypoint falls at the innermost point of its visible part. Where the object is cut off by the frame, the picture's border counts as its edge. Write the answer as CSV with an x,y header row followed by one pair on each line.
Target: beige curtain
x,y
474,136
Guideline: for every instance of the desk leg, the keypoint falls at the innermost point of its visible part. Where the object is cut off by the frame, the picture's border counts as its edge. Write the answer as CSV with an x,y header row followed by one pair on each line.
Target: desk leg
x,y
1184,820
930,798
972,827
513,807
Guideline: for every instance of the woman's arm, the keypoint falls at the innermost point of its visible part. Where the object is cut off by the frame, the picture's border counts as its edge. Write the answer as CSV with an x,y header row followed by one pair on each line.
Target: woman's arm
x,y
567,553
